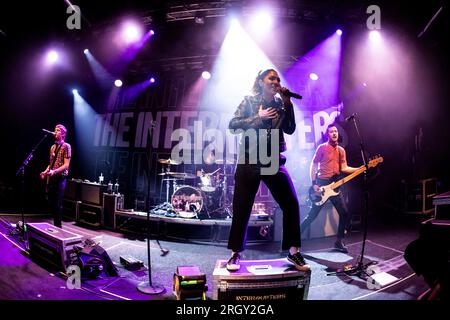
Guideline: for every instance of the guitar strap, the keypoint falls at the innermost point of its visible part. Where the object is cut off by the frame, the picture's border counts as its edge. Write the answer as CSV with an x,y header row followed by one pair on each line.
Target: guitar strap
x,y
340,164
56,154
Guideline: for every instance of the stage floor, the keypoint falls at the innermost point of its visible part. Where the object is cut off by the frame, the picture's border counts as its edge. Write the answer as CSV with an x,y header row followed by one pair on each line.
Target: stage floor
x,y
23,279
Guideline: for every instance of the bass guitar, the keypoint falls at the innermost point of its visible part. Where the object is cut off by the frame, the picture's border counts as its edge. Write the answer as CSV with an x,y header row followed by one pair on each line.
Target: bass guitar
x,y
329,190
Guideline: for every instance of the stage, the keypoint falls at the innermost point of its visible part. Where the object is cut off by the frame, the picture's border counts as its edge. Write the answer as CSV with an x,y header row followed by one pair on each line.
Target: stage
x,y
24,279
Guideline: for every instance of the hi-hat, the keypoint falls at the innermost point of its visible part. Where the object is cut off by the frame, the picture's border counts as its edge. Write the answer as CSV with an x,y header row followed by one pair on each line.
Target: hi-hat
x,y
168,161
167,173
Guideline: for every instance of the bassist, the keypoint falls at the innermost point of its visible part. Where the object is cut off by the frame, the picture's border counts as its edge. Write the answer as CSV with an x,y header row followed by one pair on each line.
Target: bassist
x,y
328,162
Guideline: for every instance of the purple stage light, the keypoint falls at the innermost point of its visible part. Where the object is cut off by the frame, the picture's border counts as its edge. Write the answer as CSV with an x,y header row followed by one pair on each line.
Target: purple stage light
x,y
131,32
375,36
313,76
339,32
118,83
86,51
52,57
152,80
206,75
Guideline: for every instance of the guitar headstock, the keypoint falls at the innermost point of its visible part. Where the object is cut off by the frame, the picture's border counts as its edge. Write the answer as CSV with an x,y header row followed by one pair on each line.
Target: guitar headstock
x,y
375,161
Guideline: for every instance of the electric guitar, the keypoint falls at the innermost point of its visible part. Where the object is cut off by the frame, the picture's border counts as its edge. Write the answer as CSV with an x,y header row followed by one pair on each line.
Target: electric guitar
x,y
320,197
46,178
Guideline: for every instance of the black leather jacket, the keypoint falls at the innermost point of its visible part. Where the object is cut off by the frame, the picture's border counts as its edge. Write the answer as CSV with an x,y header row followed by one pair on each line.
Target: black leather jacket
x,y
246,117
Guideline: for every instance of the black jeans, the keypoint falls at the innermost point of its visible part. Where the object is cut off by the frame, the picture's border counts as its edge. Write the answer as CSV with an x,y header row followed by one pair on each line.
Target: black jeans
x,y
247,180
56,188
338,203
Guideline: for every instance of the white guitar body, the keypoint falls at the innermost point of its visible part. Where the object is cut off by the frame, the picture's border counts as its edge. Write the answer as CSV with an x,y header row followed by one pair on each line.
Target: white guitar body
x,y
319,198
326,192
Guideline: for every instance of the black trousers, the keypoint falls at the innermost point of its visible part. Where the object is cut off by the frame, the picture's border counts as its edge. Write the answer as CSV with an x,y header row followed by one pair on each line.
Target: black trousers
x,y
56,188
338,202
247,180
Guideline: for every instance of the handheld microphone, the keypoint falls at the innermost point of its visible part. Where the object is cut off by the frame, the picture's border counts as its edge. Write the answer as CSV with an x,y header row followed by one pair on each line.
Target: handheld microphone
x,y
288,93
291,94
48,131
351,117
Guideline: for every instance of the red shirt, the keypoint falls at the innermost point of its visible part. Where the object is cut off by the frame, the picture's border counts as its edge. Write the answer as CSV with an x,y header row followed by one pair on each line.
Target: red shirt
x,y
327,156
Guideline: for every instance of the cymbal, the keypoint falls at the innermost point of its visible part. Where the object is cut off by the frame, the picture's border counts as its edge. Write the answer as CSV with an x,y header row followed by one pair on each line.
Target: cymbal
x,y
226,161
167,173
168,161
182,175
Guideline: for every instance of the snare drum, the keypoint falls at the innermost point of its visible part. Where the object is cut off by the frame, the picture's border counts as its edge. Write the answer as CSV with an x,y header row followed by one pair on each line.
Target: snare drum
x,y
187,201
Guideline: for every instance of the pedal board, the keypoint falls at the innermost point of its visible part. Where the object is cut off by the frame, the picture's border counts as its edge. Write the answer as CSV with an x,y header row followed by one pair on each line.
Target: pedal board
x,y
131,263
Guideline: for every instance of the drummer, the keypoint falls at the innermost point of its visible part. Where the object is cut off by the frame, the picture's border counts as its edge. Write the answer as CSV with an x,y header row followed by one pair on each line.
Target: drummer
x,y
210,173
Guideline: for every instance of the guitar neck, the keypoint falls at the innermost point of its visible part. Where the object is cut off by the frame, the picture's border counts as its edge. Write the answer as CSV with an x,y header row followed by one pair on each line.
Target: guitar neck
x,y
349,177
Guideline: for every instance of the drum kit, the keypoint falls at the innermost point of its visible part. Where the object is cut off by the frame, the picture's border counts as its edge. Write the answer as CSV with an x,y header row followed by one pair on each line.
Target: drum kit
x,y
208,198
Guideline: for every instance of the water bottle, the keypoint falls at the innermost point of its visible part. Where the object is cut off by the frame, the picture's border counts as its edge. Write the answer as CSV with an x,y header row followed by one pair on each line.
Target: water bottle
x,y
101,178
116,187
110,187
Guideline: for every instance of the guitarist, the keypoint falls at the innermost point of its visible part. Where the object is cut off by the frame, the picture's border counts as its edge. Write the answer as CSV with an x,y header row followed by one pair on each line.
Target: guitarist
x,y
57,171
328,162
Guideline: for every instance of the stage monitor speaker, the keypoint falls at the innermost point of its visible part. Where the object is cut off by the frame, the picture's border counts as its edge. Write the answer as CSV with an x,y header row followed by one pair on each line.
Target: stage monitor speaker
x,y
94,261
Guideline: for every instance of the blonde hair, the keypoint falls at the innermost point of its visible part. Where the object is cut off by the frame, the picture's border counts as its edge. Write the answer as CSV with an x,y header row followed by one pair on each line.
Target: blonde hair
x,y
63,130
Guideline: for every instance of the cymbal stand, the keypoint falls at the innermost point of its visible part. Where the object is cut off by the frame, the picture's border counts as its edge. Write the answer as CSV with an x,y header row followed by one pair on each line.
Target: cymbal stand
x,y
225,205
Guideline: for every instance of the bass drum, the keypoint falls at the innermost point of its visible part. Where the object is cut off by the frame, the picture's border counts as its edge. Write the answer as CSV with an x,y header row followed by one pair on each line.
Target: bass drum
x,y
187,202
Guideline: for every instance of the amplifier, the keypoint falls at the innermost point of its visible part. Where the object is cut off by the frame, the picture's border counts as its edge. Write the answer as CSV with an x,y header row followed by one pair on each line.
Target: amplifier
x,y
260,280
90,214
52,244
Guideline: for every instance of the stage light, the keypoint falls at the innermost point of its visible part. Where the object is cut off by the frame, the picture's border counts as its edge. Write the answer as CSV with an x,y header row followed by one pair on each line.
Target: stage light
x,y
52,57
375,36
364,84
118,83
75,91
261,22
313,76
339,32
206,75
152,32
131,32
152,80
199,20
234,22
86,51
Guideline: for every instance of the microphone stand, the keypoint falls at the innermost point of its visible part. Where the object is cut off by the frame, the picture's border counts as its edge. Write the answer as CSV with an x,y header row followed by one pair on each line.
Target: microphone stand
x,y
21,172
359,269
147,287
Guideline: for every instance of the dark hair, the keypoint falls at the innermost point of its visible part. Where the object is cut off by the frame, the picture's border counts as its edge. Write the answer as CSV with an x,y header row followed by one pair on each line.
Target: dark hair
x,y
331,125
257,88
